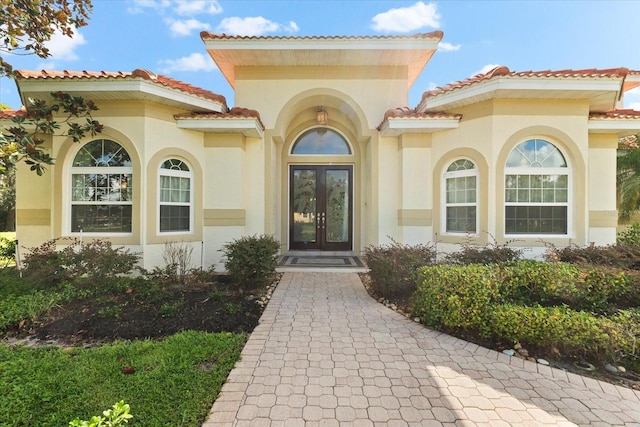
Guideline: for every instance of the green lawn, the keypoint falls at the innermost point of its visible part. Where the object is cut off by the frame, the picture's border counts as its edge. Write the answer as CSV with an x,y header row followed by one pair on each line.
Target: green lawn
x,y
174,384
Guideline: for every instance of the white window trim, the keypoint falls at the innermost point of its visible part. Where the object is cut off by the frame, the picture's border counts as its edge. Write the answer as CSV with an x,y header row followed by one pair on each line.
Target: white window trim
x,y
67,197
540,171
443,197
180,174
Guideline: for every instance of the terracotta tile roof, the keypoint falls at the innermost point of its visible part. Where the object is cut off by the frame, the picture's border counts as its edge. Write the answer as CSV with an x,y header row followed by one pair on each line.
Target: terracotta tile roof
x,y
502,71
206,35
410,113
10,114
137,73
616,114
234,113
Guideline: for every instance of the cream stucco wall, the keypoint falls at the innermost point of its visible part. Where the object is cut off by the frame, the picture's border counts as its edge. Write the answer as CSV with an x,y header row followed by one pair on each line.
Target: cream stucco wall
x,y
241,183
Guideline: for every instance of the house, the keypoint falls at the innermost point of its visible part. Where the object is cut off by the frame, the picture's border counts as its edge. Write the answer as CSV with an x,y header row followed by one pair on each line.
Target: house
x,y
323,152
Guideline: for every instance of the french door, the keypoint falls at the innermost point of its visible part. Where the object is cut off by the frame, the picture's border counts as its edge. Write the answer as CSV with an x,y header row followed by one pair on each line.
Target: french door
x,y
321,207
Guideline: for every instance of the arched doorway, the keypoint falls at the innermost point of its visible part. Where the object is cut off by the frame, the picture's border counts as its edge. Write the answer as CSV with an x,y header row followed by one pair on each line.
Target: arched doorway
x,y
321,194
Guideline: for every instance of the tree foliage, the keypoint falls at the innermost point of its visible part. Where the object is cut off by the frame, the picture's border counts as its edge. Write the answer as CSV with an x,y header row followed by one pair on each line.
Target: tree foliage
x,y
628,180
24,140
27,25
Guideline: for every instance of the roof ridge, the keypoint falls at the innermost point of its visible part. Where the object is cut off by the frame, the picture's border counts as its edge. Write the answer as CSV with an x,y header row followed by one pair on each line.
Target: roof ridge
x,y
503,71
137,73
223,36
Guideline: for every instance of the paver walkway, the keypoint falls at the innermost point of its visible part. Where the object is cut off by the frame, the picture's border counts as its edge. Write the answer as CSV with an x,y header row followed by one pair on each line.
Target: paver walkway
x,y
327,354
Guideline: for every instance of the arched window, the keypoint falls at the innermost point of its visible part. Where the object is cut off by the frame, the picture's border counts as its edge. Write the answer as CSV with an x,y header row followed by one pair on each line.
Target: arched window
x,y
536,190
460,197
101,187
176,200
321,141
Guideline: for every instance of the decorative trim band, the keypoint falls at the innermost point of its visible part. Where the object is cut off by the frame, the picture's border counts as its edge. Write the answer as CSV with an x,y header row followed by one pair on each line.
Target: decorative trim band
x,y
415,217
225,217
25,217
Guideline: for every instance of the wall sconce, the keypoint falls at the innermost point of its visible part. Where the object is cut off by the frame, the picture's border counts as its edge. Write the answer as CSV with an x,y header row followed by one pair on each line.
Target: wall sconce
x,y
322,117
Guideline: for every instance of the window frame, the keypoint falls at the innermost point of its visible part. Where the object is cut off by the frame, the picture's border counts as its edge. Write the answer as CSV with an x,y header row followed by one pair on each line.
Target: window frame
x,y
320,130
539,171
191,204
446,175
98,170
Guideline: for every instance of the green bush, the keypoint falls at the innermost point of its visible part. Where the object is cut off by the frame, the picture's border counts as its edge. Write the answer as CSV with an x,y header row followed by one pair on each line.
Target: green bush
x,y
571,333
490,254
7,249
620,256
251,260
393,268
537,282
118,415
630,236
89,263
457,298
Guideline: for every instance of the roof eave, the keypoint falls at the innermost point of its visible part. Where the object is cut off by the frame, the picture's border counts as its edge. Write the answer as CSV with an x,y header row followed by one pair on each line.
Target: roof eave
x,y
503,87
218,45
119,89
248,126
393,127
620,127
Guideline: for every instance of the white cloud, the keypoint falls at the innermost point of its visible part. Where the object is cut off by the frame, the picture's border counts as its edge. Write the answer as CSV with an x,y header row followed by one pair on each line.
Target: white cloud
x,y
139,6
448,47
193,62
196,7
406,19
632,99
62,48
186,27
486,69
253,26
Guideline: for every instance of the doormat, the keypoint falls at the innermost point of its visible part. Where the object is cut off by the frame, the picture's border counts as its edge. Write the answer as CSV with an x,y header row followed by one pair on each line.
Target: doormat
x,y
321,261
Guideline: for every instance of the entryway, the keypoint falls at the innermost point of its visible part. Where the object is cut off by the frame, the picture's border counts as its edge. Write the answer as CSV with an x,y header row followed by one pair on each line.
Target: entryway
x,y
321,207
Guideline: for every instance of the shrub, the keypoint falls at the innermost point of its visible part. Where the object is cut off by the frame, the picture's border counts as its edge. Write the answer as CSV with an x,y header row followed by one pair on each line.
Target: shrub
x,y
251,260
570,332
490,254
537,282
621,256
177,257
458,298
630,236
117,416
7,249
393,268
596,289
90,263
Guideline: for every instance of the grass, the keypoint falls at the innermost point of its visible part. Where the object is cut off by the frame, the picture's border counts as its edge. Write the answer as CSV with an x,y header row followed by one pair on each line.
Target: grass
x,y
174,383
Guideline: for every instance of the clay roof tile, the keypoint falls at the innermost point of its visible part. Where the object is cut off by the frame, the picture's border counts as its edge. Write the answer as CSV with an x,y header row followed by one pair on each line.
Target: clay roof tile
x,y
137,73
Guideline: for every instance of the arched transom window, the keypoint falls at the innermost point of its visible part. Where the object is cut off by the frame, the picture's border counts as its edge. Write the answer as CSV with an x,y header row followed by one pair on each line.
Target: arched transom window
x,y
460,197
175,207
321,141
536,190
101,187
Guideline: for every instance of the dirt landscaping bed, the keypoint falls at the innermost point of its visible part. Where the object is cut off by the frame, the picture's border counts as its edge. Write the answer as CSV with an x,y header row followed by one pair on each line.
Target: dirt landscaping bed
x,y
139,314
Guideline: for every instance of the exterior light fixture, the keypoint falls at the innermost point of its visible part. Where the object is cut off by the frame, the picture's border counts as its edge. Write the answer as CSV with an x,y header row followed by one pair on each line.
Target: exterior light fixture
x,y
322,117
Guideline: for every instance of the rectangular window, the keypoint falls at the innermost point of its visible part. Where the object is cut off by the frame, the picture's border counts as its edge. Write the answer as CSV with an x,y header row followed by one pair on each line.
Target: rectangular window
x,y
536,204
101,218
461,204
175,203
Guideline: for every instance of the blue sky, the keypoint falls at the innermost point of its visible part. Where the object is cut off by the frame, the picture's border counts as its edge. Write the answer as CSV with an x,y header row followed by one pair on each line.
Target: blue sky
x,y
163,36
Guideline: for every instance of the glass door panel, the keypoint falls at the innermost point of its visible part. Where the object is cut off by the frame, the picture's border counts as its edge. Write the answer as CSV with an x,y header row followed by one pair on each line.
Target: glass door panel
x,y
337,205
303,206
321,206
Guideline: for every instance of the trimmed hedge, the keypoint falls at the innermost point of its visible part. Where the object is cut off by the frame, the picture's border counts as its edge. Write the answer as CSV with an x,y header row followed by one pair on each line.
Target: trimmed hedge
x,y
554,306
393,268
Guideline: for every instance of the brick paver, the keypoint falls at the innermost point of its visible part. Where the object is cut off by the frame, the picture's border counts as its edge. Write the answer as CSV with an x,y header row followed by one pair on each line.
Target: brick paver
x,y
327,354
